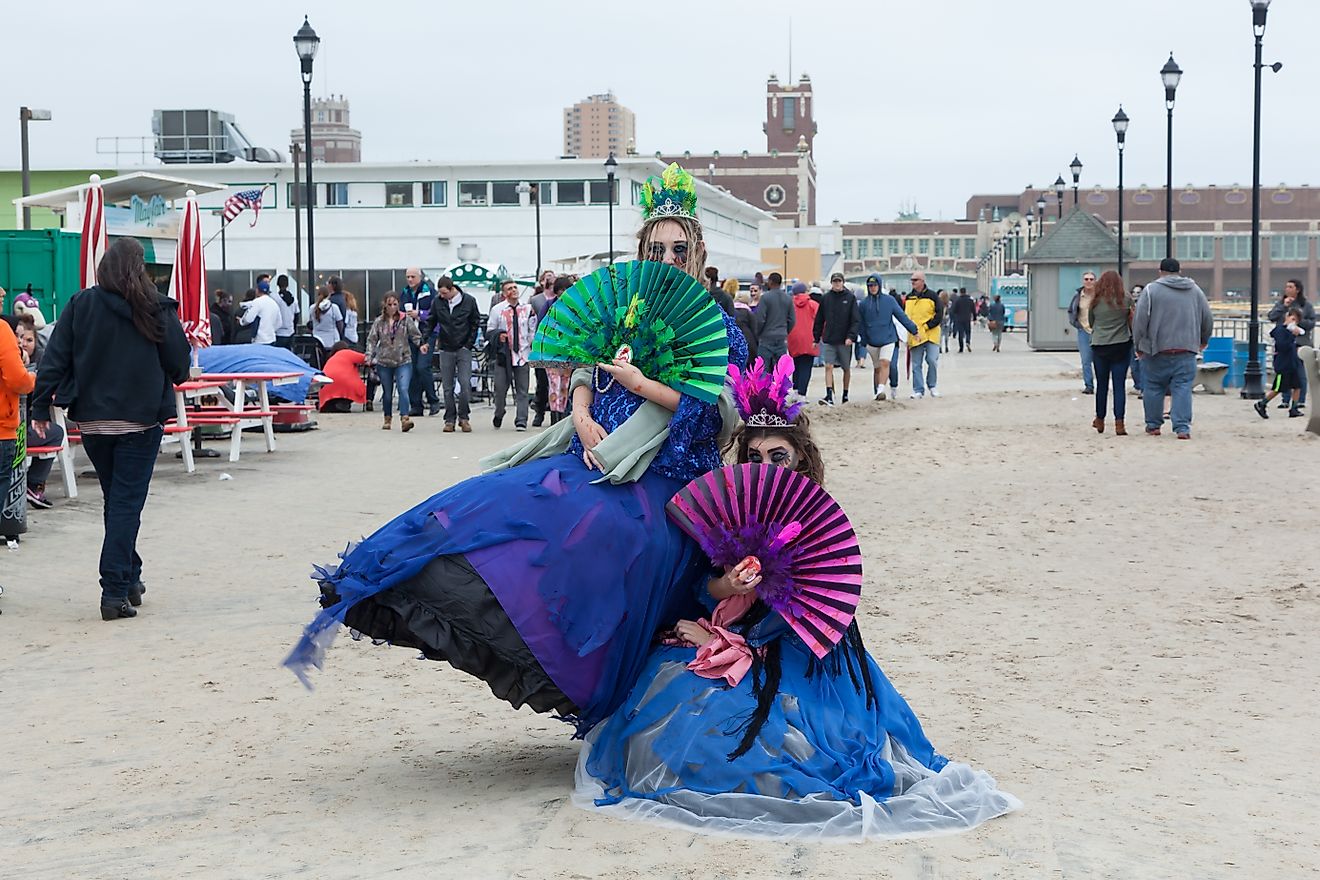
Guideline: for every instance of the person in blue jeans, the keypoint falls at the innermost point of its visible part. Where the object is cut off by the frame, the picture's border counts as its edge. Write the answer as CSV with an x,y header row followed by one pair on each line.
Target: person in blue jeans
x,y
1172,322
393,337
117,351
1087,291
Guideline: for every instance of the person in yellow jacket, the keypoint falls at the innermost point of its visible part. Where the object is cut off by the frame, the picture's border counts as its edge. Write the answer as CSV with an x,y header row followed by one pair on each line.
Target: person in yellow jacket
x,y
924,345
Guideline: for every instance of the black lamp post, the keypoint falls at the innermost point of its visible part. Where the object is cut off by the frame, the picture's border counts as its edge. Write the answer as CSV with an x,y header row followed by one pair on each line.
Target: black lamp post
x,y
307,42
1017,247
611,165
785,262
533,190
1171,74
1076,168
1031,218
1253,386
1120,121
1040,213
1059,187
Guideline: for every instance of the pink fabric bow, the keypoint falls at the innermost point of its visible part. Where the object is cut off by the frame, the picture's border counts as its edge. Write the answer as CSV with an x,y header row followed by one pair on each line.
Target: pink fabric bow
x,y
727,655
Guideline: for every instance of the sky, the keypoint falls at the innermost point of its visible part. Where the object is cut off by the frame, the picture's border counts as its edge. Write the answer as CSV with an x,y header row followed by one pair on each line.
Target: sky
x,y
920,101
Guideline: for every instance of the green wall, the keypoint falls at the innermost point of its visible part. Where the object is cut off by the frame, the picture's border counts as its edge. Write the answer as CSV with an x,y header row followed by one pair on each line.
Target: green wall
x,y
11,187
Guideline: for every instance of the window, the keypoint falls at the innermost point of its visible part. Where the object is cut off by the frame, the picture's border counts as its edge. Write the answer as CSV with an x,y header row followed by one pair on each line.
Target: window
x,y
790,114
1288,247
847,248
908,245
504,192
1146,247
1200,248
636,192
877,247
862,249
398,195
339,116
571,192
939,247
969,246
1237,248
433,192
923,245
296,194
893,247
955,248
320,116
600,191
336,194
472,193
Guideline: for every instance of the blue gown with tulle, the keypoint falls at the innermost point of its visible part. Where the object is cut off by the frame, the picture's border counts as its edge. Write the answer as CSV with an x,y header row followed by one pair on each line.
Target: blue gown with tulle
x,y
582,573
829,762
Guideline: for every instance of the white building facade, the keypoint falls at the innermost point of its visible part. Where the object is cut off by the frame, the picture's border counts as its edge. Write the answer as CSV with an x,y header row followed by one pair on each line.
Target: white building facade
x,y
377,217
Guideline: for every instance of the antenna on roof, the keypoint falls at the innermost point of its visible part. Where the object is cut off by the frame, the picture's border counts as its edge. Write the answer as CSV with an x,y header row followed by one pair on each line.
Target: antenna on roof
x,y
790,51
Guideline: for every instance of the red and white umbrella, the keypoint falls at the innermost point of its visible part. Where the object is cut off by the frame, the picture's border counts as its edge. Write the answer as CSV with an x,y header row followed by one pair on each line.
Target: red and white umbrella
x,y
188,280
93,232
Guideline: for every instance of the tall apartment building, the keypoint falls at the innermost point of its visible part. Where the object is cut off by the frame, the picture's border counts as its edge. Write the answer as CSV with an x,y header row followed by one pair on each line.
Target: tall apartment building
x,y
332,138
597,126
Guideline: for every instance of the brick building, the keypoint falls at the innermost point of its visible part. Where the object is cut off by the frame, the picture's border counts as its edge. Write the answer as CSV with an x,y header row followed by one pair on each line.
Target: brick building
x,y
333,140
781,180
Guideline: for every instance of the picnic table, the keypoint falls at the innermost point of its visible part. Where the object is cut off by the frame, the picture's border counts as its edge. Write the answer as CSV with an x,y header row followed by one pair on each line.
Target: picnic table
x,y
236,415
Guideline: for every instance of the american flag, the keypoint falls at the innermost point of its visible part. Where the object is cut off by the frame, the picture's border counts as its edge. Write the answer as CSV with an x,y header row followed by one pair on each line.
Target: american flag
x,y
248,198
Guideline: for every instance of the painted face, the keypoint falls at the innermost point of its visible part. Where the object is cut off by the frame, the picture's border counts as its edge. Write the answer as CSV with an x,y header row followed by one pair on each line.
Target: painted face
x,y
669,244
511,294
772,449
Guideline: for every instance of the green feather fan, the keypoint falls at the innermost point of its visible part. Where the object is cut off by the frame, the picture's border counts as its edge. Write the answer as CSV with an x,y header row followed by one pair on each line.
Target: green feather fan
x,y
668,319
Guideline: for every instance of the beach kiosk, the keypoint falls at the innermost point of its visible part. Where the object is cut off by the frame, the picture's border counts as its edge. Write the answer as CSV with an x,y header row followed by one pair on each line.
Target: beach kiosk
x,y
141,205
1079,243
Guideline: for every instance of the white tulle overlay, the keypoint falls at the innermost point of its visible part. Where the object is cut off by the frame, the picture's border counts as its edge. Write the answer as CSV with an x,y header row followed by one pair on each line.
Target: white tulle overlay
x,y
924,802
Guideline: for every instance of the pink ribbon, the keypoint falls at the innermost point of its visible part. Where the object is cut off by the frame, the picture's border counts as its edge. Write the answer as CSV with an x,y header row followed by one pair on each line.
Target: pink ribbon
x,y
727,655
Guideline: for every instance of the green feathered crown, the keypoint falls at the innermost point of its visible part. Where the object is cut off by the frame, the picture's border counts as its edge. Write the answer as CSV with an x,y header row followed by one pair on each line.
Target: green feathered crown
x,y
672,194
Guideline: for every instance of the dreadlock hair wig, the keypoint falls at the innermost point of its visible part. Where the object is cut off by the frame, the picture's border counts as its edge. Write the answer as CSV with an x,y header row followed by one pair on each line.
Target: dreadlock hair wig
x,y
695,265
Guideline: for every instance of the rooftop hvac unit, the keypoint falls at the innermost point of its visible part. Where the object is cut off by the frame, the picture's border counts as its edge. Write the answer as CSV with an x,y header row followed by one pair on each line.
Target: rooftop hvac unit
x,y
194,137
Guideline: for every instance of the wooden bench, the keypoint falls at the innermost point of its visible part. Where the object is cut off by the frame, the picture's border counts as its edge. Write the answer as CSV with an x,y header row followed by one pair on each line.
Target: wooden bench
x,y
1211,376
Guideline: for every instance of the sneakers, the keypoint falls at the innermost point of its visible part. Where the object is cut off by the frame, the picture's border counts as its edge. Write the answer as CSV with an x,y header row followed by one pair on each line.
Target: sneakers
x,y
448,428
37,497
845,397
879,395
497,421
916,395
465,426
1088,391
1153,432
1260,408
934,392
518,427
434,410
1183,435
827,400
1293,413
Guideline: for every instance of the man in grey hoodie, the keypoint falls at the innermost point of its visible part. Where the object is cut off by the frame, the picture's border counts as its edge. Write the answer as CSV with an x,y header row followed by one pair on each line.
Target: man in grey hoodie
x,y
775,316
1172,322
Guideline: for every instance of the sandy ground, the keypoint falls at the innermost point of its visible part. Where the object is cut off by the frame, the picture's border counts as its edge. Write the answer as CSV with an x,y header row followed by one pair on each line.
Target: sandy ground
x,y
1121,630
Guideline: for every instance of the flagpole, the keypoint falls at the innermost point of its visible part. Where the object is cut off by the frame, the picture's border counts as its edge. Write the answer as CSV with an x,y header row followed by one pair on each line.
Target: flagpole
x,y
224,223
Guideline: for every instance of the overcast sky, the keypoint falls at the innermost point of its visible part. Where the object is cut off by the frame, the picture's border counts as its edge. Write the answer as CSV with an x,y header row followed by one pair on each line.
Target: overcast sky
x,y
926,101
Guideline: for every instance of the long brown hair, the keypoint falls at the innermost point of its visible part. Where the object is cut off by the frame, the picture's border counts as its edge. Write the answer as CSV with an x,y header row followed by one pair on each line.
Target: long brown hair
x,y
1110,288
123,270
809,464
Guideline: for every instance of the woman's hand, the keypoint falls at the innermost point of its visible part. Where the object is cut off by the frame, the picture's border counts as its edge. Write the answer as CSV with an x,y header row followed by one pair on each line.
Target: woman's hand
x,y
692,633
625,374
736,581
589,432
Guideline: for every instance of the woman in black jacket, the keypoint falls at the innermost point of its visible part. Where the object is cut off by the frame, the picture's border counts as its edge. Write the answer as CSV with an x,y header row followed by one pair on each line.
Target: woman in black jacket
x,y
116,353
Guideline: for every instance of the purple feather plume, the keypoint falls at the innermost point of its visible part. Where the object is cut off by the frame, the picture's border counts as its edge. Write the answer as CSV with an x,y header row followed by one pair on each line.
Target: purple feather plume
x,y
771,543
758,392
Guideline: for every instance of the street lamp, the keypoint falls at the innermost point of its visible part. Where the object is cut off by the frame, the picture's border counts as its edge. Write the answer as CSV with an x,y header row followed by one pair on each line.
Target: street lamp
x,y
1253,386
611,165
26,115
1120,121
1017,247
1076,168
1040,213
1059,187
1031,218
1171,74
306,42
534,190
785,262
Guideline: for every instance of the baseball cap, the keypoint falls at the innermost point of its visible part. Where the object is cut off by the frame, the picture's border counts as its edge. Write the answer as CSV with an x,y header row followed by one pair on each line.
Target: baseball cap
x,y
799,288
837,276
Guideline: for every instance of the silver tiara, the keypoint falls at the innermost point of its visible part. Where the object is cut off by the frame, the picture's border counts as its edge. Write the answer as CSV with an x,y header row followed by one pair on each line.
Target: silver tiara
x,y
764,419
669,208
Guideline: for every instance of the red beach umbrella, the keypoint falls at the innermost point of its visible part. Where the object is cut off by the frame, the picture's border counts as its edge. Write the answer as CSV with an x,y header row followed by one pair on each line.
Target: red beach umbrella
x,y
93,232
188,280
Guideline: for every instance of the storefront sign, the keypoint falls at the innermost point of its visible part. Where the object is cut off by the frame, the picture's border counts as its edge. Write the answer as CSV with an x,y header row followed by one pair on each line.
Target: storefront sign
x,y
143,218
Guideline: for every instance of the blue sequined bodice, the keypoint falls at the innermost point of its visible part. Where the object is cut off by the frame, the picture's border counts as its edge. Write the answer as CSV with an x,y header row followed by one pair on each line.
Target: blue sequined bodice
x,y
692,447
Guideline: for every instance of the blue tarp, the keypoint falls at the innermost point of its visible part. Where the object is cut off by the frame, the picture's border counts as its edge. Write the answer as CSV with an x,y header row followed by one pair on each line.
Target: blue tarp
x,y
260,359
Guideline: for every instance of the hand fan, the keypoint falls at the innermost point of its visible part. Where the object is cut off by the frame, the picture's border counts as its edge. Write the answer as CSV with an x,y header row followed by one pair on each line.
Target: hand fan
x,y
811,566
667,320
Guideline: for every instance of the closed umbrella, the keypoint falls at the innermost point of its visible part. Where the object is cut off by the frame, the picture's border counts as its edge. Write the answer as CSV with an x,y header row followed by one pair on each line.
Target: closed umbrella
x,y
188,280
93,232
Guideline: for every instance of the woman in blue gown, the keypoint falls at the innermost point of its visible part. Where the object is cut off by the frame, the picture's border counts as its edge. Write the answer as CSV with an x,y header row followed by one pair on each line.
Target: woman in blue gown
x,y
545,580
793,747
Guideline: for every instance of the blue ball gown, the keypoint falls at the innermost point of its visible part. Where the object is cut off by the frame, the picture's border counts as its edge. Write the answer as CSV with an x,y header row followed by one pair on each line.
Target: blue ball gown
x,y
838,757
547,585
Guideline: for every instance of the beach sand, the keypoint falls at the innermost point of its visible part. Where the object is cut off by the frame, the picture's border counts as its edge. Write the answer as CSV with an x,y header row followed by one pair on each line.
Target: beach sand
x,y
1121,630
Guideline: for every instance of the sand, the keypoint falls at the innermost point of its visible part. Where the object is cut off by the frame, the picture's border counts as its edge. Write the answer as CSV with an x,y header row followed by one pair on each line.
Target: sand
x,y
1121,630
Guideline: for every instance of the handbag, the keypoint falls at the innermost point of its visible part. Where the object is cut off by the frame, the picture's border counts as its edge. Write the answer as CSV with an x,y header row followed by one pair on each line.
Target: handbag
x,y
993,325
